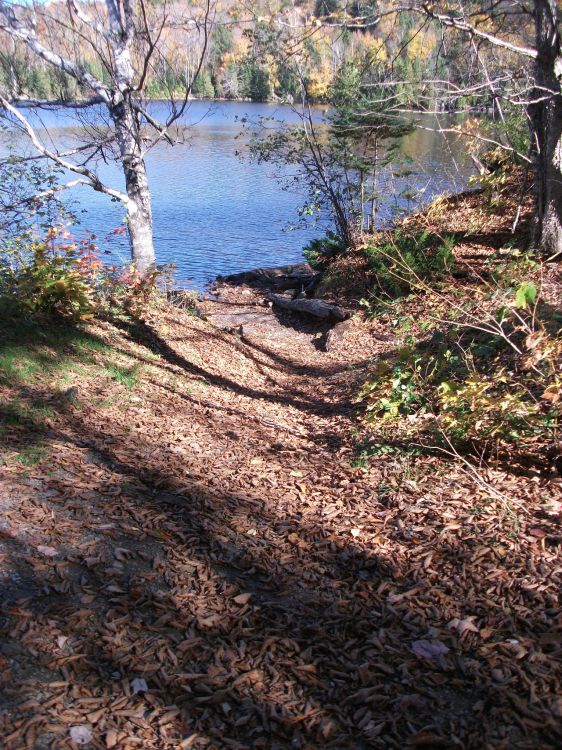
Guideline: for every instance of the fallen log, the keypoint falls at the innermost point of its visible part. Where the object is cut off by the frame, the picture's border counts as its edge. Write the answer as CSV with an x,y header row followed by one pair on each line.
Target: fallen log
x,y
316,307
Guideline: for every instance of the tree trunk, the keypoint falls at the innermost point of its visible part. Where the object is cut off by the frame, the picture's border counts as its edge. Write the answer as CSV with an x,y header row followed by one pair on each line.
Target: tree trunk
x,y
546,129
127,129
139,207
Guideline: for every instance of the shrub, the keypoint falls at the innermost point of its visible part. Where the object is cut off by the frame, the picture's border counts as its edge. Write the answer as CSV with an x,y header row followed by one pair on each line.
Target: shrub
x,y
319,251
62,277
406,258
495,172
124,290
475,392
42,278
496,165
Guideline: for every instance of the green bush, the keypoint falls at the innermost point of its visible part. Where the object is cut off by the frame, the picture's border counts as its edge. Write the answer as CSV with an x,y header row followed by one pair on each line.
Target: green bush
x,y
476,393
41,280
60,277
408,258
319,251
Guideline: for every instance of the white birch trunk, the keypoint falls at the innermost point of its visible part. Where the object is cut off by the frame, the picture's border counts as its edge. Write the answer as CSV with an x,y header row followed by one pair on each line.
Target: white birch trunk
x,y
127,128
139,206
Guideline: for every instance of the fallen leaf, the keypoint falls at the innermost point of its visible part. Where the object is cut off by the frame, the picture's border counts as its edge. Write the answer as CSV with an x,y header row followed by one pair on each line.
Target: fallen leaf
x,y
48,551
429,649
81,734
463,626
556,706
188,741
138,685
425,738
242,598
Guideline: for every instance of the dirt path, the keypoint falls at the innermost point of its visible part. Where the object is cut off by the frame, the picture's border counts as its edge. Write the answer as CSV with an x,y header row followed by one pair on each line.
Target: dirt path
x,y
195,562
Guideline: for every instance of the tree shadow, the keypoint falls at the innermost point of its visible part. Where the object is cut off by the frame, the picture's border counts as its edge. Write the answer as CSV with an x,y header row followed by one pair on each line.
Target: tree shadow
x,y
262,610
318,651
142,333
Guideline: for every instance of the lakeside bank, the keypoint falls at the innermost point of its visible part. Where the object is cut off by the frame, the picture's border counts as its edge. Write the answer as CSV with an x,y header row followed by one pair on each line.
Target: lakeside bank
x,y
203,543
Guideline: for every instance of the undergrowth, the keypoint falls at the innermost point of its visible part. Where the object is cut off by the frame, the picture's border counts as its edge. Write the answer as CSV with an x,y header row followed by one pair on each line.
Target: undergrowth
x,y
402,258
55,275
45,368
488,381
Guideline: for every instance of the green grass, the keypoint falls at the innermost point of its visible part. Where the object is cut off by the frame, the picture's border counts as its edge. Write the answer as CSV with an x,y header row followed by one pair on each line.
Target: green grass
x,y
69,370
31,350
17,365
87,345
23,412
126,376
30,455
44,355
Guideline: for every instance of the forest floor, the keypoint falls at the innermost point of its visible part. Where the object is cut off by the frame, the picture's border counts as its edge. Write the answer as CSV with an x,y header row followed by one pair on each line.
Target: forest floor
x,y
189,557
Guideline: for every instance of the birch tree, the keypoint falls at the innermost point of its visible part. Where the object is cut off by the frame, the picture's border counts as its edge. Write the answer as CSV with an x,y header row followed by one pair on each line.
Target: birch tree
x,y
125,39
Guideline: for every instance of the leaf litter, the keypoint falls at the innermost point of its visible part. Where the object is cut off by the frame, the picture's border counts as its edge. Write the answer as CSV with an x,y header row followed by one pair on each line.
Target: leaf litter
x,y
223,577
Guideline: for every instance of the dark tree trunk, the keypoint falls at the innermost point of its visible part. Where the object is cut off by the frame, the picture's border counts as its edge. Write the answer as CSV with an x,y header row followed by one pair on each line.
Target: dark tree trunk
x,y
546,129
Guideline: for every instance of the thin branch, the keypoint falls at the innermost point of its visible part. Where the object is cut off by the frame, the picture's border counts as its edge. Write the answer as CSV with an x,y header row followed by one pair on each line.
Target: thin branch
x,y
87,20
14,27
90,177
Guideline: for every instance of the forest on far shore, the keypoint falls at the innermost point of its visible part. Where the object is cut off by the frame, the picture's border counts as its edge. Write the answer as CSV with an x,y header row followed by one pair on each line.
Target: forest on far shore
x,y
259,52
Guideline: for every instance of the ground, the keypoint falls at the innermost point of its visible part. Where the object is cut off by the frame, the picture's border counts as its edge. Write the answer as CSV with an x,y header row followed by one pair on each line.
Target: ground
x,y
190,557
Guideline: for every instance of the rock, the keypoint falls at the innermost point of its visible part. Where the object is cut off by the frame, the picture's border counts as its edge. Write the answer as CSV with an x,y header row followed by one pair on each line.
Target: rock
x,y
234,322
267,273
280,277
71,395
337,334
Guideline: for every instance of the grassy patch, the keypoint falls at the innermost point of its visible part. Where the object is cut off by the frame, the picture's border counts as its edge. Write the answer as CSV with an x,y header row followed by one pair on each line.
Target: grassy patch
x,y
32,350
24,412
17,366
31,455
86,344
126,376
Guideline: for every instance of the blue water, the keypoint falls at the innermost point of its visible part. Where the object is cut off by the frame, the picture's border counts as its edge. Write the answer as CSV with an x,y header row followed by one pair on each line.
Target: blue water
x,y
216,212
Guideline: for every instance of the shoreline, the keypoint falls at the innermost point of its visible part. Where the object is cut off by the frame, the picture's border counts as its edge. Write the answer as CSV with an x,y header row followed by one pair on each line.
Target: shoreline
x,y
81,101
203,538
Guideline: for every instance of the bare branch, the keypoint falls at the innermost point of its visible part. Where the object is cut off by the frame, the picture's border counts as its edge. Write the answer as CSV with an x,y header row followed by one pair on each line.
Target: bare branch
x,y
87,20
90,177
473,31
15,28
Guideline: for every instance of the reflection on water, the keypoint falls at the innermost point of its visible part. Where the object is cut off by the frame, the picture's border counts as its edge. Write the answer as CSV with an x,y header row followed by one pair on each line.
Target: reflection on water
x,y
217,213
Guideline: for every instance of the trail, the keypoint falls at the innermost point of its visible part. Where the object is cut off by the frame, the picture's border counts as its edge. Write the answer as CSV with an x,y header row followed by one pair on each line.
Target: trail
x,y
207,533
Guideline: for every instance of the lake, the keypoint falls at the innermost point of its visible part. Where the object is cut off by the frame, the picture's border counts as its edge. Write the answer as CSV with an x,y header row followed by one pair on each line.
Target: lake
x,y
216,212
